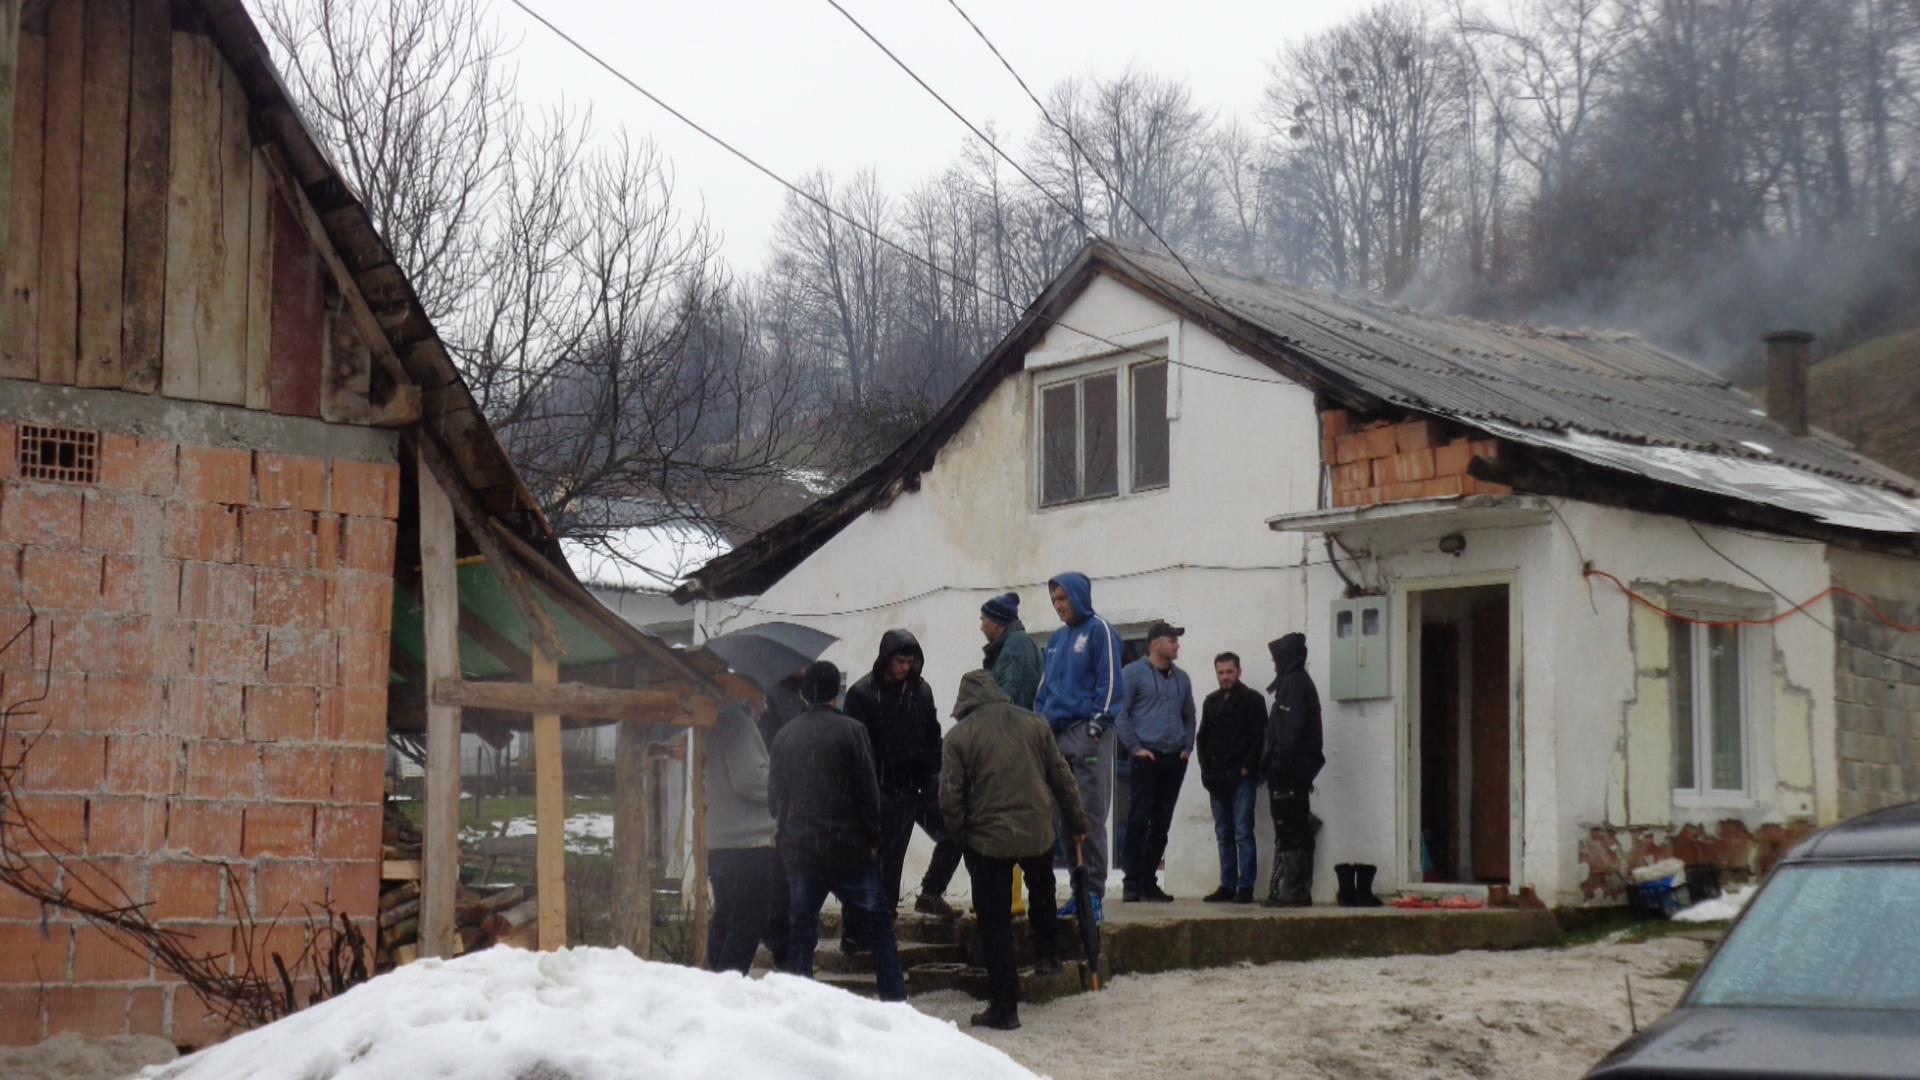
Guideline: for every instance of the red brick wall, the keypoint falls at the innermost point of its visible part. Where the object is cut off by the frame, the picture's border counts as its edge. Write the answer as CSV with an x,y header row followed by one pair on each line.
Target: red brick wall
x,y
216,626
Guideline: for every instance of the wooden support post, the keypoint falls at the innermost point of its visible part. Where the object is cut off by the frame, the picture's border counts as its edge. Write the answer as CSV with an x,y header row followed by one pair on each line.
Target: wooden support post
x,y
440,596
697,781
632,857
550,813
9,65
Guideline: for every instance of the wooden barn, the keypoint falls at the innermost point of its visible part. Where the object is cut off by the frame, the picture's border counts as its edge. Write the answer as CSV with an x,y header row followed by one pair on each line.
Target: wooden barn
x,y
251,523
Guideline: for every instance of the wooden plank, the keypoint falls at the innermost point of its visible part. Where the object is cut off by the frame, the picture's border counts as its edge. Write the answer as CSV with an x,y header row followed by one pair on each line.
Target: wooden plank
x,y
106,56
193,181
149,123
702,903
223,360
440,603
9,67
298,335
346,380
549,813
60,199
20,356
399,869
260,284
570,699
632,870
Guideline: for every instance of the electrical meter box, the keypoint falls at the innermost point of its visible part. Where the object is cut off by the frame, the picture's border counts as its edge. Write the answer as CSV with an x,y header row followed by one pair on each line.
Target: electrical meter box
x,y
1360,649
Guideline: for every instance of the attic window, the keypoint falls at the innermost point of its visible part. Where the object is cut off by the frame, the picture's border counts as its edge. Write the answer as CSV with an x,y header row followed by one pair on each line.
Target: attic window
x,y
56,454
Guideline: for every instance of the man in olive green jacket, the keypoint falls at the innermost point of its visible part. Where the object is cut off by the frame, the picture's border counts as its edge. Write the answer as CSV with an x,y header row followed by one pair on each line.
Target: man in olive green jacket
x,y
1000,772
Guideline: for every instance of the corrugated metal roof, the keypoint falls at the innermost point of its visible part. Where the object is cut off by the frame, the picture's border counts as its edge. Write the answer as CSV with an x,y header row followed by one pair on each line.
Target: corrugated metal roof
x,y
1608,384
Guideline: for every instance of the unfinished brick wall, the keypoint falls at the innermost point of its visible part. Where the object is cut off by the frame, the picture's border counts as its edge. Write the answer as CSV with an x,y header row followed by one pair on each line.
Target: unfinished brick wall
x,y
212,639
1876,704
1376,462
1609,855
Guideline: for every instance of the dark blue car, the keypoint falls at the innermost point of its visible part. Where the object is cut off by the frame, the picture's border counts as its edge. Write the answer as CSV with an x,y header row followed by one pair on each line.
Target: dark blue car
x,y
1820,977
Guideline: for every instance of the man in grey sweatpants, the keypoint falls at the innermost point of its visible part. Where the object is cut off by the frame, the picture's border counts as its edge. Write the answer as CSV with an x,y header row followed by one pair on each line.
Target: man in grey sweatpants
x,y
1080,694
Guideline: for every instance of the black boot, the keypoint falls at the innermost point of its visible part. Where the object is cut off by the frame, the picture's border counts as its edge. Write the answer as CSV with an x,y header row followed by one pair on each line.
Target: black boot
x,y
1345,872
1298,888
1275,880
1363,885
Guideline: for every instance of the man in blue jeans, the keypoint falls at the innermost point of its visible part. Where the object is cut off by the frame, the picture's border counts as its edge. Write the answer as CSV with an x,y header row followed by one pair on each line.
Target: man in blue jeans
x,y
1233,723
825,798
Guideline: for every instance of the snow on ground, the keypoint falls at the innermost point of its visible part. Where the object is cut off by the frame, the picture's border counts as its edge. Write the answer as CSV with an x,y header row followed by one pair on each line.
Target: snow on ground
x,y
646,559
593,1014
1723,908
587,834
1533,1013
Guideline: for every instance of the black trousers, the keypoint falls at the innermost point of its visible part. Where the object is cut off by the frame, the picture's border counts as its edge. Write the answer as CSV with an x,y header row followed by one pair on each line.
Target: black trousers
x,y
1153,787
993,905
1293,824
749,906
946,850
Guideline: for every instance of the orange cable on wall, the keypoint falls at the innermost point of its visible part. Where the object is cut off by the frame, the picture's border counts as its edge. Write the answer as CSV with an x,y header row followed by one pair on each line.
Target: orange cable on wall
x,y
1796,609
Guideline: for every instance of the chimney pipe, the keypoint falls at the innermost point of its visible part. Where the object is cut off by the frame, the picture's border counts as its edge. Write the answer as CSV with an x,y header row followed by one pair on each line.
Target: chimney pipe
x,y
1787,363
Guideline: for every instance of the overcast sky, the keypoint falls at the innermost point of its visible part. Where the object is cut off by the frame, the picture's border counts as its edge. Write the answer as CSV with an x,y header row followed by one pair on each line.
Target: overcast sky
x,y
794,84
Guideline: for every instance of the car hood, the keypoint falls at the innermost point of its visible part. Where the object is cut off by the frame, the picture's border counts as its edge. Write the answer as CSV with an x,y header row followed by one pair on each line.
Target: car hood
x,y
1729,1042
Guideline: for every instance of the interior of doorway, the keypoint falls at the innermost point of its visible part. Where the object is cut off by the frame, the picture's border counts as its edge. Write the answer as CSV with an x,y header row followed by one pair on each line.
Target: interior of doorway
x,y
1462,733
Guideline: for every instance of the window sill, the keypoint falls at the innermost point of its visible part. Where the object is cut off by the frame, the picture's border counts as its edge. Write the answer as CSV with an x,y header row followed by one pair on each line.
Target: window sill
x,y
1734,802
1101,500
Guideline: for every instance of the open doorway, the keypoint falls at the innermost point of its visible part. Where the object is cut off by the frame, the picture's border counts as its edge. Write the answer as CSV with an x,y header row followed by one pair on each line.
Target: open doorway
x,y
1462,733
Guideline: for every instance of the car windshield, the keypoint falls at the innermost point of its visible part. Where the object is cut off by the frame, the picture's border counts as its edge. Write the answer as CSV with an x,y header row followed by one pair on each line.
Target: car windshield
x,y
1823,937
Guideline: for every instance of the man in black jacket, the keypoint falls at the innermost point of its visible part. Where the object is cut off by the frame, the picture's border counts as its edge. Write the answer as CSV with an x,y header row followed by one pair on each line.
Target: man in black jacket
x,y
826,806
1292,758
1233,729
895,705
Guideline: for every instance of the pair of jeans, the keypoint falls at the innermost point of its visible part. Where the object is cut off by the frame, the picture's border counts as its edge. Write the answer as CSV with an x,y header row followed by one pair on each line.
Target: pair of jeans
x,y
1233,832
899,812
749,906
868,920
1153,787
993,905
1091,759
946,850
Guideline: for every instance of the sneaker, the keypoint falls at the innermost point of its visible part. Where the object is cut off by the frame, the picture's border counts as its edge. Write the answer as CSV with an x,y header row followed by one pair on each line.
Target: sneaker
x,y
1244,896
937,906
998,1021
1221,895
1069,910
1049,966
1131,895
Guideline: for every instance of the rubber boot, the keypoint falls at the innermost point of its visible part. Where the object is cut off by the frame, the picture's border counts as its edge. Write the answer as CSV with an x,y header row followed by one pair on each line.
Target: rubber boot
x,y
1345,873
1297,891
1363,885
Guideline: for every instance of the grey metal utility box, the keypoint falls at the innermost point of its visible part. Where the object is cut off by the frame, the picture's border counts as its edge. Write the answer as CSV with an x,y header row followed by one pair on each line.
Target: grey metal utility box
x,y
1360,650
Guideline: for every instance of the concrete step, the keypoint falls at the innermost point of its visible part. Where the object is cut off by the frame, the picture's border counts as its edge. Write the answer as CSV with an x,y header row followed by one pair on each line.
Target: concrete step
x,y
829,958
966,978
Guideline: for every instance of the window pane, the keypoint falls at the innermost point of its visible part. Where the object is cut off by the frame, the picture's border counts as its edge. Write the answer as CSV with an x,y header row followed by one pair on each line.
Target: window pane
x,y
1723,699
1101,399
1059,453
1680,678
1149,426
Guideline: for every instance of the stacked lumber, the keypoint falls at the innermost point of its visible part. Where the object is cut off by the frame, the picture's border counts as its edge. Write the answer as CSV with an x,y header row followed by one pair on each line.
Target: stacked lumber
x,y
1378,461
482,916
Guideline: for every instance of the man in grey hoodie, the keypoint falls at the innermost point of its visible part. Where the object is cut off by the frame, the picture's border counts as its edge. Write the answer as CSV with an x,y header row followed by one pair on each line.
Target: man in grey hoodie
x,y
749,894
1156,730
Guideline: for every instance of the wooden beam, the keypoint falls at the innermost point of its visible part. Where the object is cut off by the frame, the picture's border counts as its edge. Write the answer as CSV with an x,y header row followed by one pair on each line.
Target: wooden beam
x,y
440,603
632,855
9,69
697,781
550,814
479,526
573,699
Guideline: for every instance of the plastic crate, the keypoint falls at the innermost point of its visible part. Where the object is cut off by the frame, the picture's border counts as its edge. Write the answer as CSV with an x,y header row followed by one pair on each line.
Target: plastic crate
x,y
1656,899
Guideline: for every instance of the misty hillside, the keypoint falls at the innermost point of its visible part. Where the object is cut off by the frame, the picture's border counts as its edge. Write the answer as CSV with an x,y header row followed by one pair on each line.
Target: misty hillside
x,y
1870,396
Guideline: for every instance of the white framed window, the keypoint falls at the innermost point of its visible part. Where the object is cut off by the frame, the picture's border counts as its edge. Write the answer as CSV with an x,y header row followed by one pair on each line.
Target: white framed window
x,y
1103,433
1712,722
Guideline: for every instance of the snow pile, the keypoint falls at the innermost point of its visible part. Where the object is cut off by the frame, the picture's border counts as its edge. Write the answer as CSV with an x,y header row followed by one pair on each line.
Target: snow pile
x,y
587,834
593,1014
1723,908
650,558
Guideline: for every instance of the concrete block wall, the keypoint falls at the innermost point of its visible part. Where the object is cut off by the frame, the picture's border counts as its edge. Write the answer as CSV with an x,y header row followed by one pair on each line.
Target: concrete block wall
x,y
212,641
1877,703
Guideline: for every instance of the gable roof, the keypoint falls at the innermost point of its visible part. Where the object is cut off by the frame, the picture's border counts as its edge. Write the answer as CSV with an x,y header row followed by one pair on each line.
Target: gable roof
x,y
1610,400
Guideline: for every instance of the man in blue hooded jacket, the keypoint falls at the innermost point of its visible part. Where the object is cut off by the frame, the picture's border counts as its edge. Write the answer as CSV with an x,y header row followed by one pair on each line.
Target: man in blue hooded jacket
x,y
1080,695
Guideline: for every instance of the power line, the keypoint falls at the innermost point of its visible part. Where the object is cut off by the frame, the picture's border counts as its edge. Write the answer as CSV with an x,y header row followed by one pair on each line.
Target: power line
x,y
1074,142
840,215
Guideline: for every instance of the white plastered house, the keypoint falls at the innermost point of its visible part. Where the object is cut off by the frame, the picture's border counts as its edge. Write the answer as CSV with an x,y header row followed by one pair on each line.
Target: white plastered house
x,y
1456,514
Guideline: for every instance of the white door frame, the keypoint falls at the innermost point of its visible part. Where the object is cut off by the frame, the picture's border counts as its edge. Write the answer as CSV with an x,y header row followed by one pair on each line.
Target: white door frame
x,y
1405,692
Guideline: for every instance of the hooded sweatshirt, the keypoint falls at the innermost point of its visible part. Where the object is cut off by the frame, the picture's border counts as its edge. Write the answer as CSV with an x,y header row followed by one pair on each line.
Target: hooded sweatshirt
x,y
737,814
1080,673
901,720
1000,775
1293,756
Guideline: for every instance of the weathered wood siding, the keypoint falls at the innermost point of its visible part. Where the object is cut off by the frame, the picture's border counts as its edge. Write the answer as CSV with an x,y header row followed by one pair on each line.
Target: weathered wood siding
x,y
150,244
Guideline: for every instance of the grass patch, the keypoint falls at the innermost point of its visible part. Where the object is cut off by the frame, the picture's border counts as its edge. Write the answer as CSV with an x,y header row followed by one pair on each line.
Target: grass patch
x,y
1599,927
492,814
1684,971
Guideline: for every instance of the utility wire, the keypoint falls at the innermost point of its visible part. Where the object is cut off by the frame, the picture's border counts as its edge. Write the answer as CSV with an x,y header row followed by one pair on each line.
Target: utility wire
x,y
1074,142
840,215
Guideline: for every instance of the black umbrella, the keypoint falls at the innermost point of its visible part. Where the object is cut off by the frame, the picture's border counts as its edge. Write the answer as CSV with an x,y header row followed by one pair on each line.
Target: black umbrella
x,y
771,651
1089,927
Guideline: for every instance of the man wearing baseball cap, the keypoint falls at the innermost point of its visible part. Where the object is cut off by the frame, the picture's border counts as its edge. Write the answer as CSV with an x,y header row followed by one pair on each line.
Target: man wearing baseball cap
x,y
1156,731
